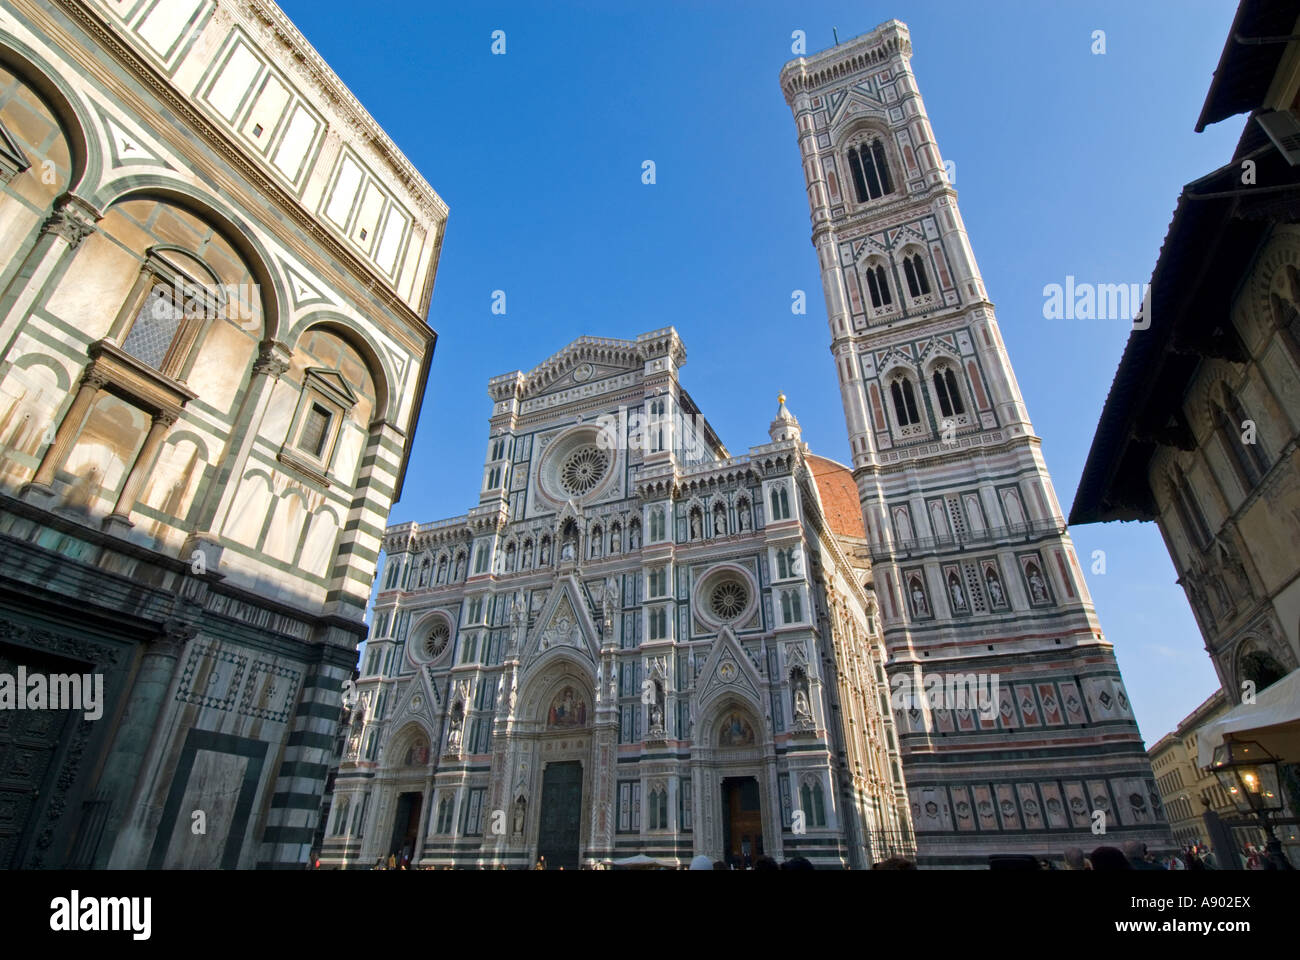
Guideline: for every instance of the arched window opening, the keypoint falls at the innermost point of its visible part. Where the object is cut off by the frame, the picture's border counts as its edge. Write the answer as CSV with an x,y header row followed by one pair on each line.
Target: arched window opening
x,y
1189,510
904,398
945,390
878,287
869,169
918,284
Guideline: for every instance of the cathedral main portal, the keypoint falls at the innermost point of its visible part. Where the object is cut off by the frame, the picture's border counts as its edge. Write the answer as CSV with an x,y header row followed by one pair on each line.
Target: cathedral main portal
x,y
560,827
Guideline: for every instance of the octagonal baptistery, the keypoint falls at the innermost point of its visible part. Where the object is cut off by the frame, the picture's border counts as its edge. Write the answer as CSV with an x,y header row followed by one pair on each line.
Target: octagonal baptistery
x,y
217,270
635,643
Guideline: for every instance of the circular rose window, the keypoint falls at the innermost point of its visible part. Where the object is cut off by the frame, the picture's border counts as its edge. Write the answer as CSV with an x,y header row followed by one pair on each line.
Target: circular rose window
x,y
583,470
436,641
728,599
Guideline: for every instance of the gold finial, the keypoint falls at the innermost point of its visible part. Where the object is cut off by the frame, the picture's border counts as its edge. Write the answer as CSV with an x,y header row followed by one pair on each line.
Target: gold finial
x,y
780,397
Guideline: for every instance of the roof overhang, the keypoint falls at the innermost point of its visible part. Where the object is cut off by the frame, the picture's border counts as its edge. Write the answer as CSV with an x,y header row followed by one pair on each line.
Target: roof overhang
x,y
1216,232
1260,35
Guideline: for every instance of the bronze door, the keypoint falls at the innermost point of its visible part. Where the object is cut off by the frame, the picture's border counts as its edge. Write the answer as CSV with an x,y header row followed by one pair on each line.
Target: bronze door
x,y
560,828
29,740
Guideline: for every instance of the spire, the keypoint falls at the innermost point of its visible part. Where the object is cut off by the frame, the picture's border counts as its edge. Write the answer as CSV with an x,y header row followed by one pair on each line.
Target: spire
x,y
785,426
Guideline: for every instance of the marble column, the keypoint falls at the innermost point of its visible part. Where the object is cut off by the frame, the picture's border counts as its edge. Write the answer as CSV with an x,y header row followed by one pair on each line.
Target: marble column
x,y
42,483
271,363
72,220
124,782
144,463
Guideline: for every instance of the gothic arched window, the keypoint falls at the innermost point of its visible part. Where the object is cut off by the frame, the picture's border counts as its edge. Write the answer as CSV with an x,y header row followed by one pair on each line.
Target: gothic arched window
x,y
791,607
914,270
1189,510
869,169
878,286
1247,459
904,402
1287,318
780,504
945,390
657,525
813,803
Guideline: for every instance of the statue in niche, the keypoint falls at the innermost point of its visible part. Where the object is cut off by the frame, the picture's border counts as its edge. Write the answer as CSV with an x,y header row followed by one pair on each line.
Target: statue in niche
x,y
719,523
1036,585
521,816
995,588
742,517
526,559
613,680
442,570
802,702
595,543
460,569
457,721
918,599
657,710
695,525
566,551
954,590
634,537
802,711
615,535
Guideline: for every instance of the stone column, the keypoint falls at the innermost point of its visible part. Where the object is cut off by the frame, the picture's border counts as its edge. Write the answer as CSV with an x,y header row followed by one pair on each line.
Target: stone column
x,y
144,462
41,484
424,819
72,220
271,363
124,780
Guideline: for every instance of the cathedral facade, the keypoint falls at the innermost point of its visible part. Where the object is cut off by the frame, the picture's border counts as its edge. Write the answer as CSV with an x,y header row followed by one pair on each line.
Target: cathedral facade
x,y
974,569
634,644
214,273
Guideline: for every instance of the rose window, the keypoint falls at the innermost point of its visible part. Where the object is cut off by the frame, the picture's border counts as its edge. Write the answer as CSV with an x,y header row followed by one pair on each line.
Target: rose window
x,y
583,469
729,599
436,642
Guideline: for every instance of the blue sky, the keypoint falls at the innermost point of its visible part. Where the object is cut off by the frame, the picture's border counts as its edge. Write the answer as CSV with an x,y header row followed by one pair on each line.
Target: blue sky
x,y
1066,163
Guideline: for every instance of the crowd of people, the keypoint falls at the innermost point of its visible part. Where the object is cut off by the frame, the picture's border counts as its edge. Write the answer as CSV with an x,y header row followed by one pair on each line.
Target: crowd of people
x,y
1134,855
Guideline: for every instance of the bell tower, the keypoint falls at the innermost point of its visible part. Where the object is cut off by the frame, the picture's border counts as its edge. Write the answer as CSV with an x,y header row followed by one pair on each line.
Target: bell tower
x,y
1013,718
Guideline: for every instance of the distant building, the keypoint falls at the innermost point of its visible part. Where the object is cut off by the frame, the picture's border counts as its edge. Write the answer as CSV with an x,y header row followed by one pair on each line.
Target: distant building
x,y
636,643
215,270
1199,432
1190,791
1186,789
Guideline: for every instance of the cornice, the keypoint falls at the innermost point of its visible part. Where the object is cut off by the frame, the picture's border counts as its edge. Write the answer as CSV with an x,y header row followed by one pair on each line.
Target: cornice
x,y
221,143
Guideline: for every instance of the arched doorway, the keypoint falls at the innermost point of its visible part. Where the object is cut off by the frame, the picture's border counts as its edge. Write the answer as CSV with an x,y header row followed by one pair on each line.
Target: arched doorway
x,y
550,763
407,768
736,777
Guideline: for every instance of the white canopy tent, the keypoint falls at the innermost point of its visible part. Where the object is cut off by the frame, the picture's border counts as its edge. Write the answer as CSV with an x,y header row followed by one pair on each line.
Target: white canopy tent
x,y
641,862
1272,721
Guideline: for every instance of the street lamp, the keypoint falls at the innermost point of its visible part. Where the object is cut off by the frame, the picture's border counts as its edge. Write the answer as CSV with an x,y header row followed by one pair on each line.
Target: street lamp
x,y
1249,775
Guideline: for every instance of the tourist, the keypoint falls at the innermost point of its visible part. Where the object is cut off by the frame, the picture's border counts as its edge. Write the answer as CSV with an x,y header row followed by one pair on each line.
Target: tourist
x,y
1135,851
1075,860
1109,858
